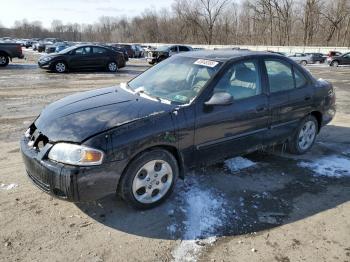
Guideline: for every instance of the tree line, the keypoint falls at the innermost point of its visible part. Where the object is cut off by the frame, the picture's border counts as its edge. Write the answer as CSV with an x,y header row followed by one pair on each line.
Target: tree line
x,y
222,22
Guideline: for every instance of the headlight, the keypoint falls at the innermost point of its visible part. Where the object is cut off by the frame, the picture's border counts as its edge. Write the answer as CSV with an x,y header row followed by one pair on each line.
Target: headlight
x,y
45,59
75,155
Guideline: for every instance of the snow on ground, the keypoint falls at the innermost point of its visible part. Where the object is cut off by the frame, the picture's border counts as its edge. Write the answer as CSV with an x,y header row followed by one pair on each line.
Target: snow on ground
x,y
8,187
204,215
238,163
331,166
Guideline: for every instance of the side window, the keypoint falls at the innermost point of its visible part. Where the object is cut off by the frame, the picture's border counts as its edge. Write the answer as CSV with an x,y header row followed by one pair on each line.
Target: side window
x,y
83,51
98,50
241,80
80,51
183,48
280,75
173,49
300,79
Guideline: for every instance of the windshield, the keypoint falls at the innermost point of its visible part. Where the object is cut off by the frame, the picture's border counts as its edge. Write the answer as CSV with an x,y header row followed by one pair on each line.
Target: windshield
x,y
67,50
177,79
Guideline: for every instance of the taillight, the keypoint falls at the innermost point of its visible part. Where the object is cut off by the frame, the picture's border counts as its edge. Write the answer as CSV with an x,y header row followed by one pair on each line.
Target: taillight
x,y
19,49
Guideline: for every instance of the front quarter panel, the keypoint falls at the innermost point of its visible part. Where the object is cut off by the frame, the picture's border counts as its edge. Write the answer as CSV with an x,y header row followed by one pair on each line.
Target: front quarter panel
x,y
128,140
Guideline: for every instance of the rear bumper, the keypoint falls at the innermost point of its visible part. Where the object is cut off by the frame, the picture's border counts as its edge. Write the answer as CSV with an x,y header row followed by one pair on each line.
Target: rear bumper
x,y
71,183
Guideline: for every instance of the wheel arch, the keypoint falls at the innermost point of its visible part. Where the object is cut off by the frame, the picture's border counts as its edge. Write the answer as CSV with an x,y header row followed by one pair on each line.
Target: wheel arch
x,y
318,115
171,149
60,61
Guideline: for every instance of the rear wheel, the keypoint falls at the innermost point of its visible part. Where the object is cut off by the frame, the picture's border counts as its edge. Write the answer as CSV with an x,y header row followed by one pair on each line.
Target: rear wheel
x,y
4,60
305,136
149,179
60,67
304,63
112,67
335,63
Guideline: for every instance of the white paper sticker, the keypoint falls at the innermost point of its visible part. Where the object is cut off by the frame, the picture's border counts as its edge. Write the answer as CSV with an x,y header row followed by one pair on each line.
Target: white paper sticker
x,y
207,63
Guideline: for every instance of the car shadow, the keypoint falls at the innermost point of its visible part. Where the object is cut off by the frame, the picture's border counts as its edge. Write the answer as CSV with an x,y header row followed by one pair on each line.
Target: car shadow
x,y
275,189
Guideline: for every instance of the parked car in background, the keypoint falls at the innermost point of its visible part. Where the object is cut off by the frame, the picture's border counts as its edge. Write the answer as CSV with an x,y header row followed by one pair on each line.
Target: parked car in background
x,y
56,47
301,58
194,109
83,57
46,42
138,51
118,48
163,52
129,49
61,46
28,43
339,60
9,51
317,57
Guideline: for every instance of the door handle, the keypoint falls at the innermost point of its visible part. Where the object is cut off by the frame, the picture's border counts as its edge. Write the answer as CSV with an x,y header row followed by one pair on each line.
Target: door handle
x,y
260,109
307,98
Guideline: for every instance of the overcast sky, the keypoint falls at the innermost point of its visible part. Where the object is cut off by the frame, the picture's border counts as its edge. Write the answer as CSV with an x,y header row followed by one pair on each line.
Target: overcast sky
x,y
80,11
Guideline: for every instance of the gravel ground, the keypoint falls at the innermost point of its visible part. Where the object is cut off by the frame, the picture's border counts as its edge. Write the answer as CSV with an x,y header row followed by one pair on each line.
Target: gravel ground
x,y
267,206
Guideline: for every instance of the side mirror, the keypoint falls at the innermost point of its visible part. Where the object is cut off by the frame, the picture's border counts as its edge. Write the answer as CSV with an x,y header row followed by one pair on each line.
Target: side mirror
x,y
220,98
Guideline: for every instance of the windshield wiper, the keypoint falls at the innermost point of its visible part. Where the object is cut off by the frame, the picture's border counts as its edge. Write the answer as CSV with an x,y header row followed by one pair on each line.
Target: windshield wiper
x,y
140,91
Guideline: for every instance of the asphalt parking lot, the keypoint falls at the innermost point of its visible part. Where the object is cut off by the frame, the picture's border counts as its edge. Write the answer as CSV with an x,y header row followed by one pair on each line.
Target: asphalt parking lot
x,y
267,206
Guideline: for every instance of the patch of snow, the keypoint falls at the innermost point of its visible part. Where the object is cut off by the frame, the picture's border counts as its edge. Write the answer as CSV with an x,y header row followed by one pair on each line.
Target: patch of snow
x,y
238,163
8,187
205,213
331,166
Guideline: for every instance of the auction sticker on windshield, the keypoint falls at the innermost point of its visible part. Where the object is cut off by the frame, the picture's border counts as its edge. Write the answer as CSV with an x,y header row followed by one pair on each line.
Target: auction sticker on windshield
x,y
207,63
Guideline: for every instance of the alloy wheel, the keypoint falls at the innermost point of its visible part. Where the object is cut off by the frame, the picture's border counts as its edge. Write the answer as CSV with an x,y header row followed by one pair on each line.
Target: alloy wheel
x,y
152,181
60,67
307,135
112,67
2,60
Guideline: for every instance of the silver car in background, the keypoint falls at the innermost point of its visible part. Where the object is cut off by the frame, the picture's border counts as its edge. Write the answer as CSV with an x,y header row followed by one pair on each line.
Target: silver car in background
x,y
301,58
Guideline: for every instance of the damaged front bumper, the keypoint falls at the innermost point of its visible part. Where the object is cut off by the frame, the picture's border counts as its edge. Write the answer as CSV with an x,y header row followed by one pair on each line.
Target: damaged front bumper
x,y
72,183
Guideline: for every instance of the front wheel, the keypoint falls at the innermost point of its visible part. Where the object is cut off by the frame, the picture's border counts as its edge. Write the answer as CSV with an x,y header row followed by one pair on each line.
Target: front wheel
x,y
304,63
4,60
335,64
60,67
149,179
305,136
112,67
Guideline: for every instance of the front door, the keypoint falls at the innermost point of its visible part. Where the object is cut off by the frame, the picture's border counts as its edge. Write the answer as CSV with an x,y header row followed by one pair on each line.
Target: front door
x,y
81,58
223,131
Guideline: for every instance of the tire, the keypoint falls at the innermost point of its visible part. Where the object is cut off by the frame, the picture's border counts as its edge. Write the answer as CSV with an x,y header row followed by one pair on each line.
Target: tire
x,y
335,63
112,66
60,67
304,63
149,179
4,60
304,137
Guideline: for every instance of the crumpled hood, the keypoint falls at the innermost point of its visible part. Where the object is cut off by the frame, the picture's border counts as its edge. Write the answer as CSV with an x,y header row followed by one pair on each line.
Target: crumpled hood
x,y
78,117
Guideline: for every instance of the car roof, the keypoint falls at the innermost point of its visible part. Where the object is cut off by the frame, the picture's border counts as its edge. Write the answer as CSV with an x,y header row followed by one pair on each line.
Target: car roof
x,y
226,55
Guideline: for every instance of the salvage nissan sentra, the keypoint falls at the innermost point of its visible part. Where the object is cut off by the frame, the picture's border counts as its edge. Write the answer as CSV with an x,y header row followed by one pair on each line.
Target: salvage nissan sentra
x,y
193,109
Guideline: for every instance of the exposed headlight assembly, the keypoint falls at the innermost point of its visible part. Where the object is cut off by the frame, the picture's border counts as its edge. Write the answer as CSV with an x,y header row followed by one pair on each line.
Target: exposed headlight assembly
x,y
72,154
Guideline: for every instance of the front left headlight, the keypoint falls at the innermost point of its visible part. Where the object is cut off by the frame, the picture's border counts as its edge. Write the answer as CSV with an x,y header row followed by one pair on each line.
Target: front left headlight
x,y
72,154
45,59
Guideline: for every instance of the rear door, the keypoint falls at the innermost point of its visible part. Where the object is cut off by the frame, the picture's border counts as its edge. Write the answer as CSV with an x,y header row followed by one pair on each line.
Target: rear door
x,y
226,130
100,56
287,104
